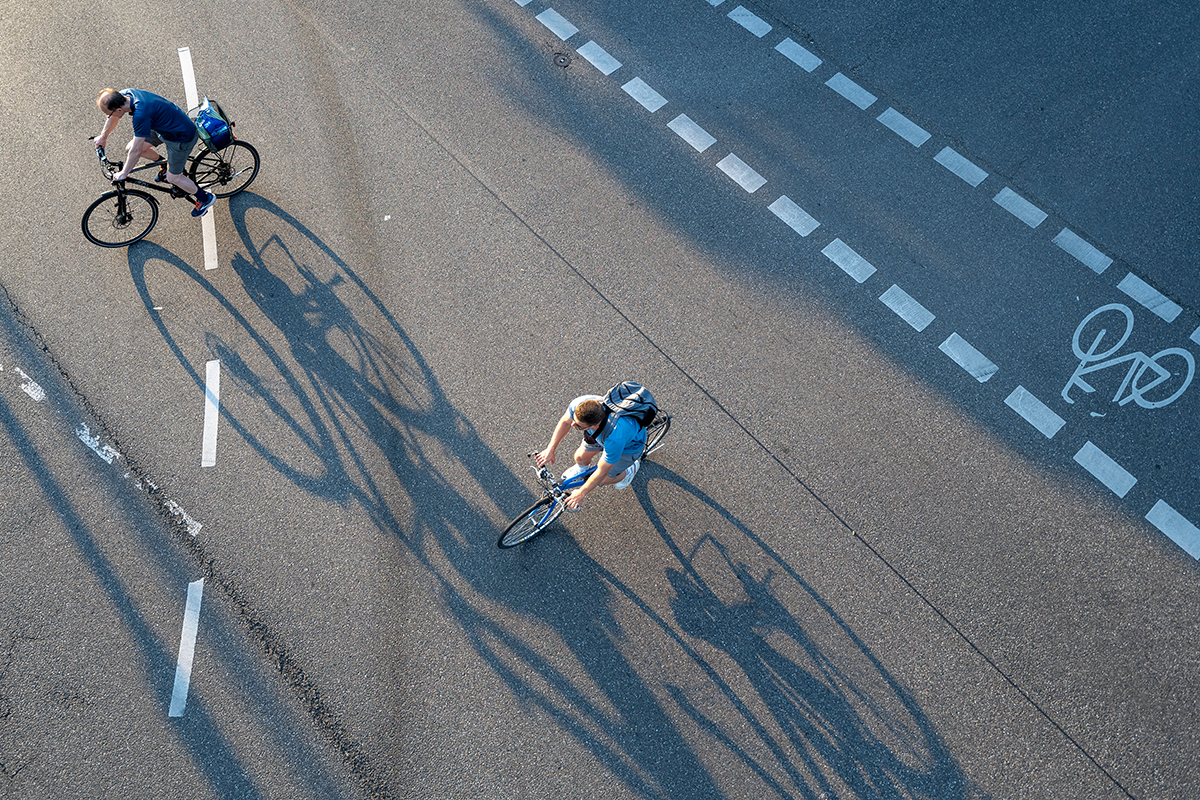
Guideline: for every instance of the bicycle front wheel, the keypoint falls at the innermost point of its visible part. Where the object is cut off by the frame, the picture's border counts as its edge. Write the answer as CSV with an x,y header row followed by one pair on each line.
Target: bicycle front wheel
x,y
118,219
657,430
531,522
226,172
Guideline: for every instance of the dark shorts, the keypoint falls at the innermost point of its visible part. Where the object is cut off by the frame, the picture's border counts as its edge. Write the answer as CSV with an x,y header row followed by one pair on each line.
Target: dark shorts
x,y
177,152
622,463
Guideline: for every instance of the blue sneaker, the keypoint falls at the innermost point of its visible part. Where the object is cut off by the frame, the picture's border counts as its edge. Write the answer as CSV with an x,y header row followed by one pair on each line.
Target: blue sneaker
x,y
204,201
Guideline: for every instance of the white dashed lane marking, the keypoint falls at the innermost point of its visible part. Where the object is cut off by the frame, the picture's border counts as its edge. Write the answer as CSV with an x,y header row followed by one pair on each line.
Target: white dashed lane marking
x,y
599,58
796,217
1176,527
212,413
960,166
798,55
557,24
639,90
1035,412
851,91
187,649
692,133
1105,469
1019,207
961,352
741,173
908,309
1148,296
850,262
750,21
1083,252
904,127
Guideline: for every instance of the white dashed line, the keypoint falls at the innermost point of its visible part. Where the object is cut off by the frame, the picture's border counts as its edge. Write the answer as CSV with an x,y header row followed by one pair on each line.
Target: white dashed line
x,y
851,91
599,58
977,365
1148,296
1176,527
904,127
799,56
908,309
691,133
1035,412
960,166
1019,207
1195,337
31,387
796,217
851,262
741,173
1083,252
212,412
557,24
187,649
639,90
523,3
208,226
750,21
1105,470
106,453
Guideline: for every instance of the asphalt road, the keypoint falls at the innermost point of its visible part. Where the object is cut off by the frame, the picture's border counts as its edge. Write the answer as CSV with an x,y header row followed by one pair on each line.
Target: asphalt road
x,y
894,547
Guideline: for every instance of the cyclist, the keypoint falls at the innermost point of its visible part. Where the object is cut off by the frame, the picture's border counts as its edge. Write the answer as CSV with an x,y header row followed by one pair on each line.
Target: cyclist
x,y
619,437
156,121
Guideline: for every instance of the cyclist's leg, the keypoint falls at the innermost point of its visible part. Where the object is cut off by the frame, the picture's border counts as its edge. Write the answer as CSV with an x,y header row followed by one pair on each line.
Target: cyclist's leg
x,y
177,156
618,471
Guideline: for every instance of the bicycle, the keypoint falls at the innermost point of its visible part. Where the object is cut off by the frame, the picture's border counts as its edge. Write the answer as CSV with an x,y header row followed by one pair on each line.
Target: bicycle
x,y
537,517
120,217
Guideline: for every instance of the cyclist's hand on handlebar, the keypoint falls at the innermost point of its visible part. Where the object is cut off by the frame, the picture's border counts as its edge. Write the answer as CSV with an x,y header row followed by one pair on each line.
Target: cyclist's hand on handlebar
x,y
544,457
574,500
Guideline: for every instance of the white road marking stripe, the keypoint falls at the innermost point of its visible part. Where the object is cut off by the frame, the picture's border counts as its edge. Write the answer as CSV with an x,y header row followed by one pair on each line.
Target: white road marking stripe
x,y
851,91
523,3
750,21
105,452
1195,337
212,409
193,527
1035,412
639,90
904,127
1104,469
599,58
31,387
851,262
189,78
1149,297
979,366
691,133
557,24
187,648
208,231
801,57
908,309
715,2
960,166
796,217
1019,207
741,173
1082,251
1177,527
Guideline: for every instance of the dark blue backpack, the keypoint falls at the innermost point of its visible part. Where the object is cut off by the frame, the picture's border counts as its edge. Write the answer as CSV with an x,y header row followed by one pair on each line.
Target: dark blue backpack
x,y
216,131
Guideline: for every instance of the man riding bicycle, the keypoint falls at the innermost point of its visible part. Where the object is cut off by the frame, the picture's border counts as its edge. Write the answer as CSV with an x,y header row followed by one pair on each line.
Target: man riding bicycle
x,y
156,121
619,437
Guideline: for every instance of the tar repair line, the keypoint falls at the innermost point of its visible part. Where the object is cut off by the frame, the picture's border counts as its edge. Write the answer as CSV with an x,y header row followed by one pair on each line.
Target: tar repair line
x,y
208,226
971,360
187,648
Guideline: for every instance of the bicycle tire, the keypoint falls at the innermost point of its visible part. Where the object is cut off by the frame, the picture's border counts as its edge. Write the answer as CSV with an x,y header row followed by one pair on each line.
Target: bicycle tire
x,y
106,225
529,523
657,430
233,169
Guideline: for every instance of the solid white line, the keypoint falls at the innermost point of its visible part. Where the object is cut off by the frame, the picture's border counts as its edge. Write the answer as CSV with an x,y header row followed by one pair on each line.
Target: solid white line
x,y
599,58
851,262
851,91
979,366
1149,297
741,173
1104,469
750,21
1019,207
801,57
904,127
557,24
691,133
908,309
960,166
639,90
1177,527
187,649
1035,412
212,409
189,78
1083,252
796,217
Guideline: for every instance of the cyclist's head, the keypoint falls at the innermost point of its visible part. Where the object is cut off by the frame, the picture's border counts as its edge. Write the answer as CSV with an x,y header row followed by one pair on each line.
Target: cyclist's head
x,y
589,413
109,100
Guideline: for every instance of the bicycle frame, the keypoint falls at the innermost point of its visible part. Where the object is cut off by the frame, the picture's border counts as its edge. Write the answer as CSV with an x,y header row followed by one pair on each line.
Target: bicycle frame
x,y
110,169
559,489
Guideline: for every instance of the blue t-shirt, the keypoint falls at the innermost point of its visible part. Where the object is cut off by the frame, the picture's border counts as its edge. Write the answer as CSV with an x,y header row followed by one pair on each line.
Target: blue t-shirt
x,y
152,113
619,436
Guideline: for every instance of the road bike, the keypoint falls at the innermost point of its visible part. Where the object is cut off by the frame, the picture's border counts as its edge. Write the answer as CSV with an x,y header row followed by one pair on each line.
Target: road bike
x,y
533,520
122,216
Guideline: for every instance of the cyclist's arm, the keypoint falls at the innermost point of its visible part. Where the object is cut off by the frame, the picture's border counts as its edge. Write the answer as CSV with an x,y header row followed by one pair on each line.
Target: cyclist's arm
x,y
594,480
131,161
560,433
110,124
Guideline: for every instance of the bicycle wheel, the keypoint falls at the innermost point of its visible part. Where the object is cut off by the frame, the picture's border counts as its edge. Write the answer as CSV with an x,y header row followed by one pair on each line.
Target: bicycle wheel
x,y
657,430
118,219
531,522
226,172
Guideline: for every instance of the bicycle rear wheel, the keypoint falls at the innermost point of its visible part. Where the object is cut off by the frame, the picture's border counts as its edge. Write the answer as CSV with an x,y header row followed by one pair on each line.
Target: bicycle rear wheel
x,y
226,172
531,522
118,219
657,430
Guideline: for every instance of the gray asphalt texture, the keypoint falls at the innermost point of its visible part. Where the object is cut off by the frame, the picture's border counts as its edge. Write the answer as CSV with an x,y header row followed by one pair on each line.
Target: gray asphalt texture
x,y
852,571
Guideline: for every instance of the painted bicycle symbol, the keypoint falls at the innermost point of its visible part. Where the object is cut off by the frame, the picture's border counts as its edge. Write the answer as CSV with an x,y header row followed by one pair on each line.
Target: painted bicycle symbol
x,y
1146,374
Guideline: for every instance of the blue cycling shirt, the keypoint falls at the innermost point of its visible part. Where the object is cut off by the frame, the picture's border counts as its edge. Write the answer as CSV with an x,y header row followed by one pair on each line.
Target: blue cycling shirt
x,y
154,114
621,435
